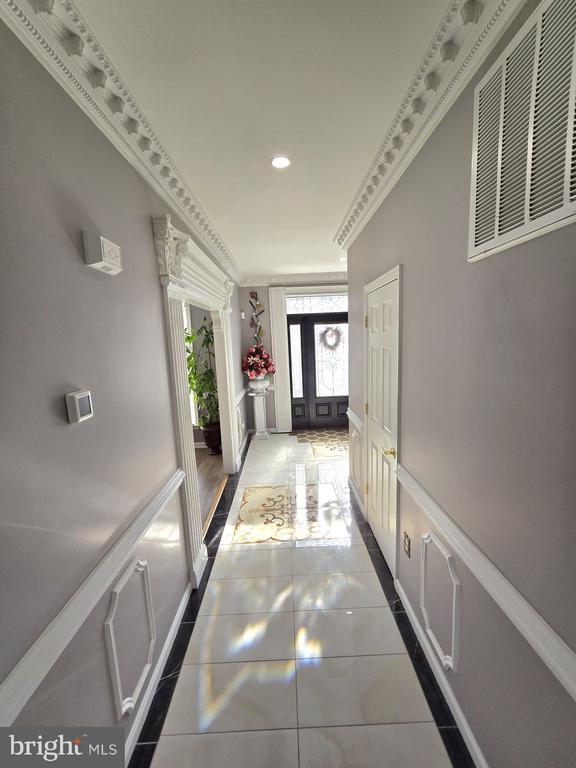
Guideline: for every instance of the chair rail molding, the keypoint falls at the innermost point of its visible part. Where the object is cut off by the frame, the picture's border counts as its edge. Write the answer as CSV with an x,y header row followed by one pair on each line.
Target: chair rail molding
x,y
125,704
449,660
355,420
554,652
59,37
466,35
27,675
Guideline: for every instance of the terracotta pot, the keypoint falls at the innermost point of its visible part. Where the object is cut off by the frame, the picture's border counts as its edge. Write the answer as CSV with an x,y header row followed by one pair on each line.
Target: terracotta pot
x,y
212,438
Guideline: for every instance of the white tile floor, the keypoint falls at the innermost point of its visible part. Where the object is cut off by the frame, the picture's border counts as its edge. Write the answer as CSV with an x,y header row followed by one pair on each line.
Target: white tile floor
x,y
295,658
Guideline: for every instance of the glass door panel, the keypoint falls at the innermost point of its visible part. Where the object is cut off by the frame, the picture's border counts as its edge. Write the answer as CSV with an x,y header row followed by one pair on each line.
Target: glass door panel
x,y
296,361
331,359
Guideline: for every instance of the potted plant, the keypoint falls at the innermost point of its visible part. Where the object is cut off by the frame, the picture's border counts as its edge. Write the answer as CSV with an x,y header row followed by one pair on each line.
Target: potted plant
x,y
202,382
258,367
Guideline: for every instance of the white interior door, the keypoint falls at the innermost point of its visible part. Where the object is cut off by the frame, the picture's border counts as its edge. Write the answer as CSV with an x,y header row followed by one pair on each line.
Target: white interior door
x,y
382,334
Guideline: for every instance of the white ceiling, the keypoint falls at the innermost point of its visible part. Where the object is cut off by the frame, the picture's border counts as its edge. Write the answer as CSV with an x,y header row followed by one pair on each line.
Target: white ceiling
x,y
227,84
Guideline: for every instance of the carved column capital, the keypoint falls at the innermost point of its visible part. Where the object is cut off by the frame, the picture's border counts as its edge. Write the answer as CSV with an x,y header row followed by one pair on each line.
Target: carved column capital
x,y
168,248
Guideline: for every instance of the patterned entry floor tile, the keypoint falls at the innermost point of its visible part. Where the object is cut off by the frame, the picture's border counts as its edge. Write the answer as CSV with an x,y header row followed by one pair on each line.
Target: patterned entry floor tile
x,y
326,443
286,513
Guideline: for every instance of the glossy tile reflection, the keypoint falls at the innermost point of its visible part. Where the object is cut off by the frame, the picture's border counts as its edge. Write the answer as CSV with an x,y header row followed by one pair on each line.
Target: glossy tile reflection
x,y
296,657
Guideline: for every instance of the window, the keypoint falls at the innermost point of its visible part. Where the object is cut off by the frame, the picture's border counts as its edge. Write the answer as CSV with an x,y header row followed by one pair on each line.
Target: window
x,y
312,305
524,162
331,359
296,361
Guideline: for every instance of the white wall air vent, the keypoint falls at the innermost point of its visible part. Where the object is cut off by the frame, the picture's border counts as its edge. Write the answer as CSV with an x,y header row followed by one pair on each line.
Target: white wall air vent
x,y
101,254
524,156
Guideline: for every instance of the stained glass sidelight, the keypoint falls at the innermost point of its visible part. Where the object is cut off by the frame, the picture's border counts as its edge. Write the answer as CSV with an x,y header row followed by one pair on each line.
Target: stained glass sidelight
x,y
331,355
311,305
296,361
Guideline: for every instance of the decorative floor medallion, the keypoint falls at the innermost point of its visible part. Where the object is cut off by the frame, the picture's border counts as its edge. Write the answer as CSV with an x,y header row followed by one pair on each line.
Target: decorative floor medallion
x,y
290,512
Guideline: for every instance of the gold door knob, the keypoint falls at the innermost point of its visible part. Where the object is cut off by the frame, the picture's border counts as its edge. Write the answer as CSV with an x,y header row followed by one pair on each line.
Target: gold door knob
x,y
390,452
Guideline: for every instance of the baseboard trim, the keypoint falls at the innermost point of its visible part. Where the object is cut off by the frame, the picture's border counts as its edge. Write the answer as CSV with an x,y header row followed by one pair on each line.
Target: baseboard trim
x,y
24,679
459,717
357,495
242,449
199,566
554,652
146,701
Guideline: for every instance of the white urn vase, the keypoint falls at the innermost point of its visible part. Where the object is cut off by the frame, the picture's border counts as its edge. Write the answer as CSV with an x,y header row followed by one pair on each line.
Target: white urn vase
x,y
259,384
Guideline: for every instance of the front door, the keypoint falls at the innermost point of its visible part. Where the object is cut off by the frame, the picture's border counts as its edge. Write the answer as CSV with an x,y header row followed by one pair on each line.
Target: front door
x,y
319,369
382,320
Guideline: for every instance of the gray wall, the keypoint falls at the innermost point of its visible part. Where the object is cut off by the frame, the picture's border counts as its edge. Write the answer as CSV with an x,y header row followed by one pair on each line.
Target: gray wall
x,y
69,491
488,417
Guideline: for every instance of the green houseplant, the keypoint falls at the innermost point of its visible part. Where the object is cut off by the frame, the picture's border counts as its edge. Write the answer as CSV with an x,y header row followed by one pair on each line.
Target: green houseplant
x,y
202,382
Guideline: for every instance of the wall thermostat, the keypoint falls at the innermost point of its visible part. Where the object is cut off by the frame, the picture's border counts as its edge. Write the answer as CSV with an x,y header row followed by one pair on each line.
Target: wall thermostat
x,y
79,405
101,254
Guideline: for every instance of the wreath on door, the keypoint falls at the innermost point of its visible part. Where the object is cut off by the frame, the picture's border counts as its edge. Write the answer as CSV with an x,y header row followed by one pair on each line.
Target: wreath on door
x,y
331,337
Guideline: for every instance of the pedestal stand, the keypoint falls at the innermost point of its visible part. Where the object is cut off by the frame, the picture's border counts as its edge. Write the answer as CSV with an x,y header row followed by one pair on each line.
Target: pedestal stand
x,y
259,399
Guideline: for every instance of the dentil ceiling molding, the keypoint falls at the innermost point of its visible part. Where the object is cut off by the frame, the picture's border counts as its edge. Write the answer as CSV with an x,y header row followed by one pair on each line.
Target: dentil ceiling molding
x,y
59,37
466,35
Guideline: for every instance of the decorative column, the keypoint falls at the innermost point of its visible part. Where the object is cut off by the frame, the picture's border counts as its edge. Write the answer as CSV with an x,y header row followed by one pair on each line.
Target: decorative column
x,y
226,395
185,438
170,264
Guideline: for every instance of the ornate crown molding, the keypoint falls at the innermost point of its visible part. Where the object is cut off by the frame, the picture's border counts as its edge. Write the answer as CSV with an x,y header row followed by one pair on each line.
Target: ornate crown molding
x,y
186,271
301,278
465,36
59,37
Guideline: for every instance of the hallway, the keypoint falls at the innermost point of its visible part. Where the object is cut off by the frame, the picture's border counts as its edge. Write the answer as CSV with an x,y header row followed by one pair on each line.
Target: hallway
x,y
295,657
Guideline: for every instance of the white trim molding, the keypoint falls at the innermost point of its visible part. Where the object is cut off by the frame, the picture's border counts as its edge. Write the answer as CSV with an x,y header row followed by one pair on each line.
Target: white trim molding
x,y
154,679
188,275
356,458
466,35
27,675
297,279
355,420
59,37
554,652
126,703
449,660
279,338
440,675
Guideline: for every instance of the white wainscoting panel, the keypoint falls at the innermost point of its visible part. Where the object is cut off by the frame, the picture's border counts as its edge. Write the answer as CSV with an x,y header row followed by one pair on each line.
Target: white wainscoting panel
x,y
449,659
125,703
27,675
154,678
442,680
552,649
357,474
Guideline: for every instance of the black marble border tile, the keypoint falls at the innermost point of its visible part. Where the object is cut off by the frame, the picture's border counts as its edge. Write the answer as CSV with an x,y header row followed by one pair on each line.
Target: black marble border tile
x,y
454,743
152,728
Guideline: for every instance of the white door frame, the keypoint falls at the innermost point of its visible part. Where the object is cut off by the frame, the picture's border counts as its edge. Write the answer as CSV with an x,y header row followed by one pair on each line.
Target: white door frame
x,y
188,275
279,337
388,277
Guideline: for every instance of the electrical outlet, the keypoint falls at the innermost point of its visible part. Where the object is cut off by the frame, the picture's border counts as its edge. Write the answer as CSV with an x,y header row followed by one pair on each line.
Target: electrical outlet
x,y
407,544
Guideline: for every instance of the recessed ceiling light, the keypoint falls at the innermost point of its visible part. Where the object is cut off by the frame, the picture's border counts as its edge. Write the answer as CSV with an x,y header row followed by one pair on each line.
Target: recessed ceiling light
x,y
280,161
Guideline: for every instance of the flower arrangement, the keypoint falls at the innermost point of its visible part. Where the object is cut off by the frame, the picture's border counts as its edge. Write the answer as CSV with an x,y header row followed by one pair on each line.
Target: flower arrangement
x,y
257,363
